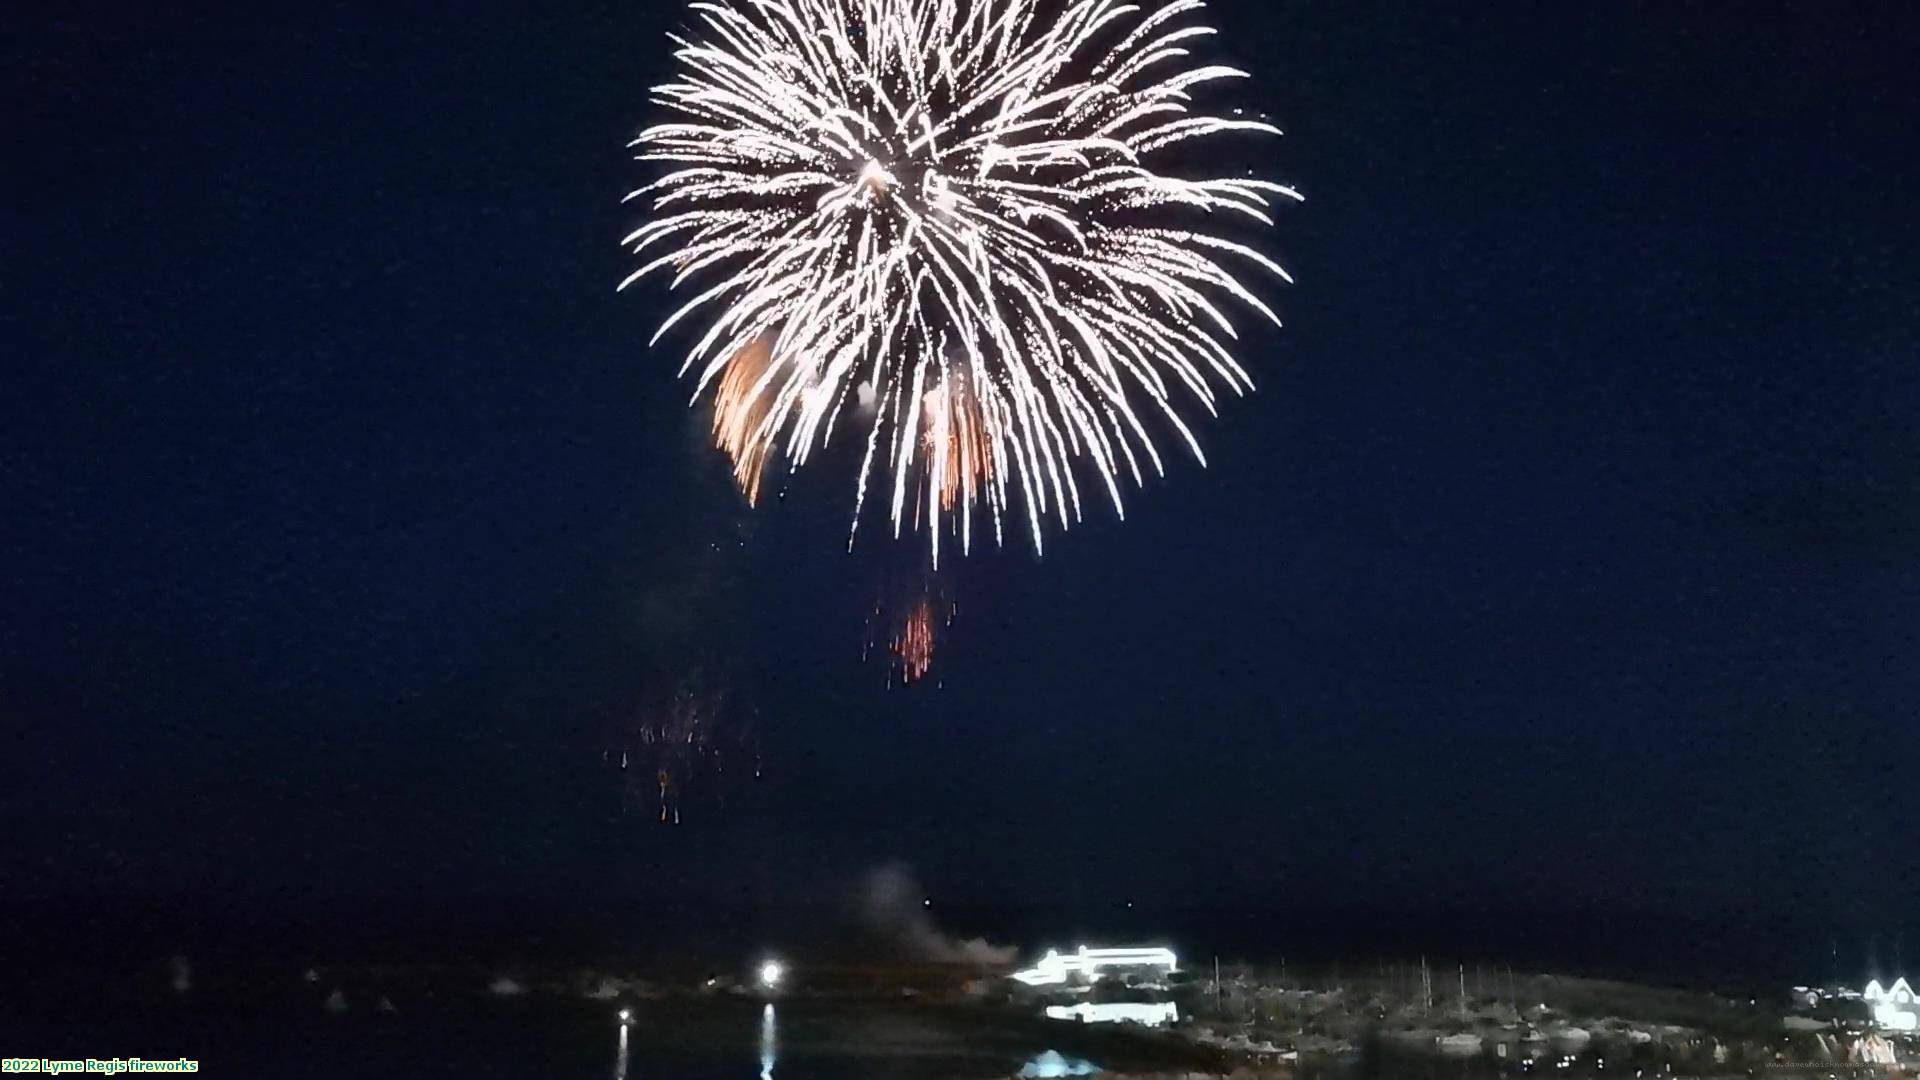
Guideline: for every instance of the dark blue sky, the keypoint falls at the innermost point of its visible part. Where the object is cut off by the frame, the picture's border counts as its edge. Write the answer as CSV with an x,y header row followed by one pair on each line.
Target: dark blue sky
x,y
1566,557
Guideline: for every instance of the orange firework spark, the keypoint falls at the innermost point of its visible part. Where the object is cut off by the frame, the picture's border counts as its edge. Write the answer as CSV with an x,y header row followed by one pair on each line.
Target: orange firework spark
x,y
741,403
959,452
959,449
913,642
906,623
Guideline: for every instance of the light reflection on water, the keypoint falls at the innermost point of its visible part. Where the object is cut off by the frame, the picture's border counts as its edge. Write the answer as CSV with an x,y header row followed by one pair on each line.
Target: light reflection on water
x,y
720,1040
768,1043
769,1046
1052,1064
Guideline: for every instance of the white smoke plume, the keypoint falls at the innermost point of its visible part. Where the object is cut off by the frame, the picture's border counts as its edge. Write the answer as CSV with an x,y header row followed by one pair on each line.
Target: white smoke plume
x,y
892,905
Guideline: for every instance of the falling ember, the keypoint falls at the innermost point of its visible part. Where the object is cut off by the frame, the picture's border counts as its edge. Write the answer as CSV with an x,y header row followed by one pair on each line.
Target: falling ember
x,y
958,447
913,642
741,403
906,625
690,744
669,799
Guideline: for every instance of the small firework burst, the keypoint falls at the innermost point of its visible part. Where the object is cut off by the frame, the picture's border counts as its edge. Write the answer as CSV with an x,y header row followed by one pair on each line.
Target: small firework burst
x,y
686,747
913,642
908,626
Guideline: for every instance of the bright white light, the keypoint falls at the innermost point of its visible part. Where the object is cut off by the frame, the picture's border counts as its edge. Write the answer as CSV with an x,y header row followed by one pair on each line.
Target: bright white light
x,y
1152,1014
770,973
1899,992
1052,1064
769,1043
1892,1005
876,176
626,1016
1894,1018
1054,969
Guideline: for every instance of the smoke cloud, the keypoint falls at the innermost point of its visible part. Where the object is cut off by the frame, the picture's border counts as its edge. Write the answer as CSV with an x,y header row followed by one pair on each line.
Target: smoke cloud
x,y
891,906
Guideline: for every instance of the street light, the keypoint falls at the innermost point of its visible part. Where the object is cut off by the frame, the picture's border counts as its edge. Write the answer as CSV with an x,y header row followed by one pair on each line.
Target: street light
x,y
770,973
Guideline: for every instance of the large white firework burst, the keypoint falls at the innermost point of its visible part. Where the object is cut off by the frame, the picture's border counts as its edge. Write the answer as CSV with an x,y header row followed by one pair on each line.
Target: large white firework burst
x,y
947,220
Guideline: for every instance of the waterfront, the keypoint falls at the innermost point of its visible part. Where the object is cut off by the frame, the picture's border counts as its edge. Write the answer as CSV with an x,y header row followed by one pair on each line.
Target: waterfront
x,y
702,1040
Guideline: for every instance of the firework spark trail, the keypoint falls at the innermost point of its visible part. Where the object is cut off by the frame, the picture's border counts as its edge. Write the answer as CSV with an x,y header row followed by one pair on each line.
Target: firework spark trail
x,y
689,738
739,407
952,201
906,625
913,642
957,448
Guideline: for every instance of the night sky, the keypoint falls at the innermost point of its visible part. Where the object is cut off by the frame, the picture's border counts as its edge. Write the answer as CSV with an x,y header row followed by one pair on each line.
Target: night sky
x,y
1566,557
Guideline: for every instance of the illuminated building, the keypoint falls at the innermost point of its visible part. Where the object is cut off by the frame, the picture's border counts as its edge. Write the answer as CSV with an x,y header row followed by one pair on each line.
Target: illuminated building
x,y
1150,1013
1892,1005
1089,965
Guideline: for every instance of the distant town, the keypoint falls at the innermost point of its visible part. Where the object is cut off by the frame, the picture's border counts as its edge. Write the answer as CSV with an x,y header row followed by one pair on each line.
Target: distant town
x,y
1145,1011
1507,1022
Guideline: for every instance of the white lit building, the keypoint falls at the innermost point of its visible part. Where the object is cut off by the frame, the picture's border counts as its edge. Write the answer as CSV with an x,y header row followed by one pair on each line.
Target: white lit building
x,y
1150,1013
1088,965
1893,1007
